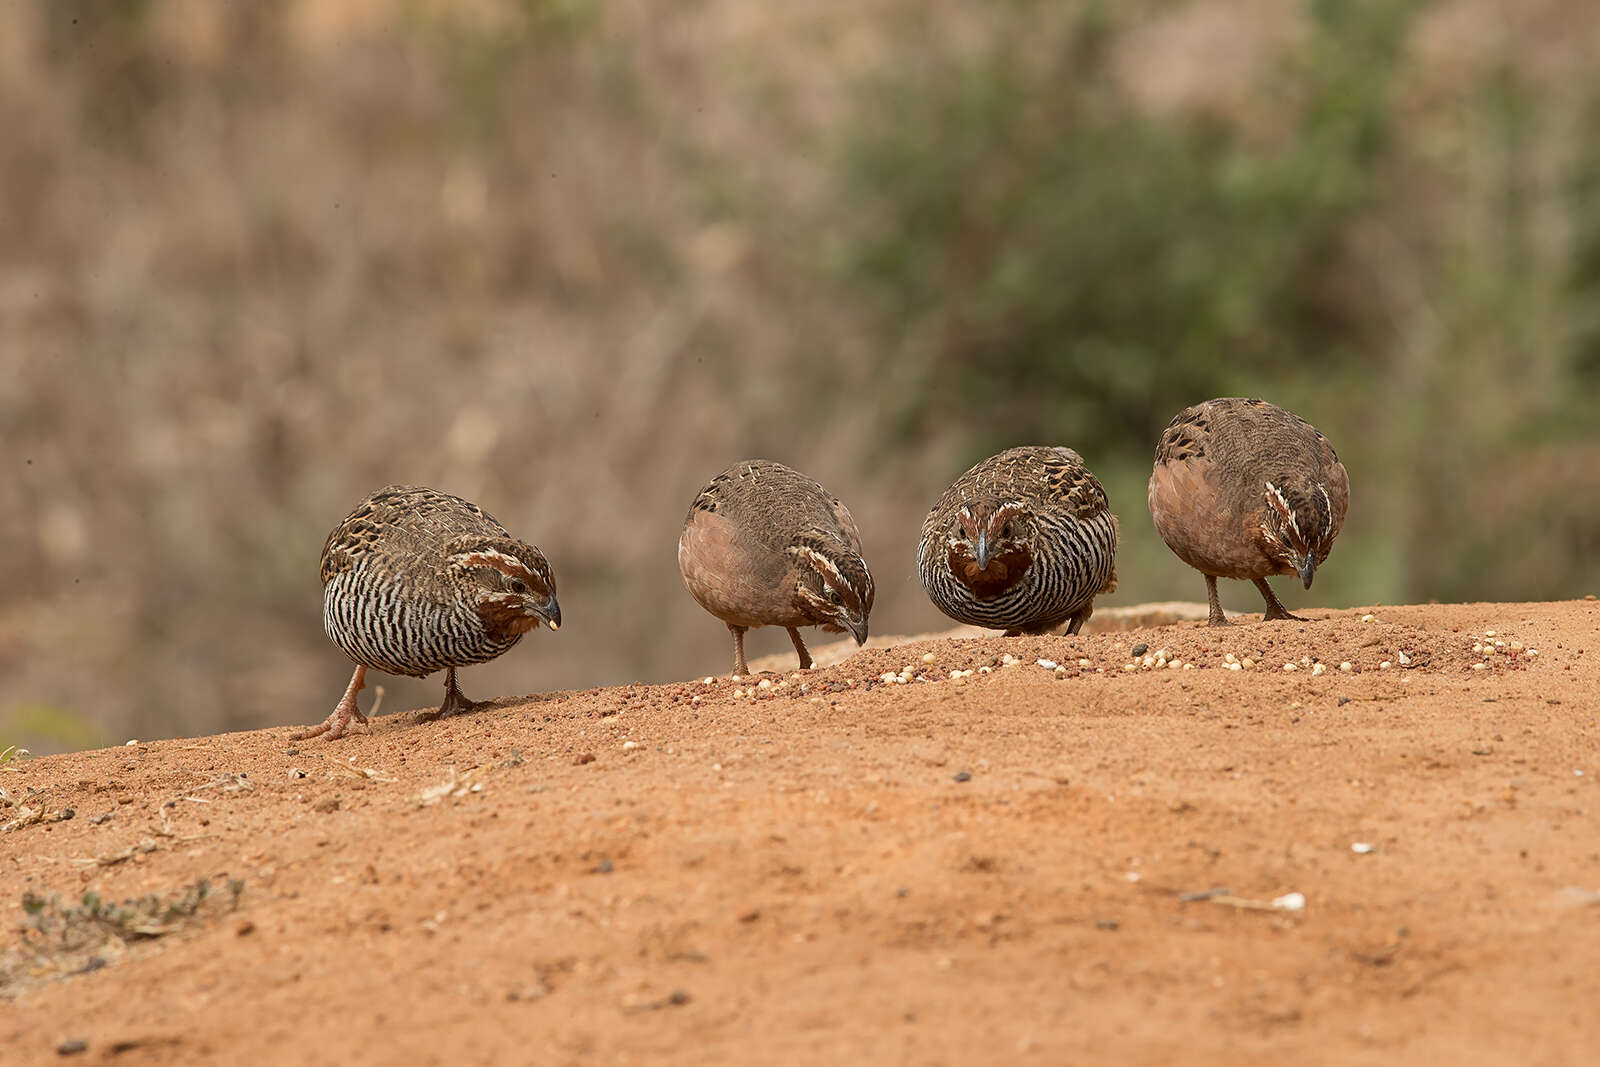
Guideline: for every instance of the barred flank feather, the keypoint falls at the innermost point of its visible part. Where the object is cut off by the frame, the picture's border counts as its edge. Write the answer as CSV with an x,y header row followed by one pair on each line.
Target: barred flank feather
x,y
1050,532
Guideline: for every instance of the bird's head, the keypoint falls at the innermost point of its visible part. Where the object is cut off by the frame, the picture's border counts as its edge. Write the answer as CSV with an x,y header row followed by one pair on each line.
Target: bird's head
x,y
1299,525
833,587
508,580
988,545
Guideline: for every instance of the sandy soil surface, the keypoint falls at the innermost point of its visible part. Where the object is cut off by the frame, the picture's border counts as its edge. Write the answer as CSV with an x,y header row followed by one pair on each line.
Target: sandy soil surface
x,y
1029,864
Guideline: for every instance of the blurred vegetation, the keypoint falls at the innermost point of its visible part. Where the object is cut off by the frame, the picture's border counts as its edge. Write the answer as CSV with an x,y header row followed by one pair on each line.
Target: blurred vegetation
x,y
570,258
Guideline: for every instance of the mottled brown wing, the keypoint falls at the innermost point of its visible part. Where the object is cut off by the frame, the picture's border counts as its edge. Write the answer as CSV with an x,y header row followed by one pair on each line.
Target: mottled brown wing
x,y
1070,484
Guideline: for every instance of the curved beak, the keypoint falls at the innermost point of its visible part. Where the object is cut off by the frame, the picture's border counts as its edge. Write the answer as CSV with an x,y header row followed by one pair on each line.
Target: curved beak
x,y
1308,567
550,612
983,550
858,630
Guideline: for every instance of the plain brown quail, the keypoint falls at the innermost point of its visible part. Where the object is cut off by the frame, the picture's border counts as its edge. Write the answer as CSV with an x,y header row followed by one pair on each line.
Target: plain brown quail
x,y
1244,489
415,581
1022,542
763,545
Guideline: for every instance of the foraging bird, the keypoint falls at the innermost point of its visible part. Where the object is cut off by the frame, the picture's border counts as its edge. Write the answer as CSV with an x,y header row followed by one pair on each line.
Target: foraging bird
x,y
763,545
415,581
1244,489
1022,542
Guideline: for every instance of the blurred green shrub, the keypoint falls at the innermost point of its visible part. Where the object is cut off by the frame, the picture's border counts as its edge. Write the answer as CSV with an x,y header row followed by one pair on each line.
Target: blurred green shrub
x,y
1054,259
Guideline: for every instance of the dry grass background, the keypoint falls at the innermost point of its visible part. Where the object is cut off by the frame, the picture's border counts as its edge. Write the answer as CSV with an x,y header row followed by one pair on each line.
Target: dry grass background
x,y
565,259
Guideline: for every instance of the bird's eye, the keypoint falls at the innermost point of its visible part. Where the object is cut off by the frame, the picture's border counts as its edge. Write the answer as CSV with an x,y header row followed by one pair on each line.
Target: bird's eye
x,y
833,595
1005,531
518,585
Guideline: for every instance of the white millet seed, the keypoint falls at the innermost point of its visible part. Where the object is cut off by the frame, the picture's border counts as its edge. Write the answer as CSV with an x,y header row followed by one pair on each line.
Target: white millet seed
x,y
1385,665
1230,658
1479,666
629,746
1488,633
765,683
1369,618
1047,664
1316,669
1247,663
1083,663
1347,666
1291,666
927,657
1516,646
985,670
1235,667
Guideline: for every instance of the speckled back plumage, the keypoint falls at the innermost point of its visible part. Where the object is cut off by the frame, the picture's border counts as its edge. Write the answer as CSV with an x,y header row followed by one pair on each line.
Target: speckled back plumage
x,y
745,540
1222,464
1046,571
393,601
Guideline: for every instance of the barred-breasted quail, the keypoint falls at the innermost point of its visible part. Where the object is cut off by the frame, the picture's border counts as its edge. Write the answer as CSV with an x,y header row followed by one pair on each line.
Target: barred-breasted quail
x,y
763,545
1244,489
415,581
1023,542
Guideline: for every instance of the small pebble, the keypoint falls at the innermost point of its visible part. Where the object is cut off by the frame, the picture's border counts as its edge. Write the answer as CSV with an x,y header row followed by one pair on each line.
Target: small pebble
x,y
1290,902
1138,650
1317,668
1047,664
629,746
1361,848
1369,618
73,1047
1247,663
963,776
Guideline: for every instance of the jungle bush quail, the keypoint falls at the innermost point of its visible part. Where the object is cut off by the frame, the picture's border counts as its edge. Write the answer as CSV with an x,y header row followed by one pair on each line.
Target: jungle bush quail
x,y
763,545
1022,542
1244,489
415,581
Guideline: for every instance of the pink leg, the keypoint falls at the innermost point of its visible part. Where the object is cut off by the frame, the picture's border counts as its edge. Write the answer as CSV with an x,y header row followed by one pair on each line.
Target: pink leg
x,y
1275,608
337,724
1217,618
454,701
800,647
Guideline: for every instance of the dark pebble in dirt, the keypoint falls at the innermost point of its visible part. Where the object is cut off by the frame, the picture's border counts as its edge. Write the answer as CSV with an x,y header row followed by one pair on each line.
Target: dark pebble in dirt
x,y
587,757
603,867
73,1047
291,752
1343,701
679,997
1106,924
1140,649
963,776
